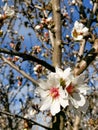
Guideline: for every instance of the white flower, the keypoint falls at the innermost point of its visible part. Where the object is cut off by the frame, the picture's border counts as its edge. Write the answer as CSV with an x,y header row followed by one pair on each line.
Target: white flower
x,y
8,11
37,27
79,31
53,96
76,90
75,86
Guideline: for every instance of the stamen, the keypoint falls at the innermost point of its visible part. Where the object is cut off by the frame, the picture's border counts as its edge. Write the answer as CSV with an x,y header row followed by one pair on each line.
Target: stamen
x,y
54,92
76,34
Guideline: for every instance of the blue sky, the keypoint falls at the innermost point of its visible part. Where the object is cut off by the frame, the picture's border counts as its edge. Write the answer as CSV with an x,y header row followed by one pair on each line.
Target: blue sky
x,y
28,43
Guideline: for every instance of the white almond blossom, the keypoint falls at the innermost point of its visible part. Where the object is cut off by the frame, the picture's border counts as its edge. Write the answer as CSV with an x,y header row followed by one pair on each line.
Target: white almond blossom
x,y
8,11
76,89
52,95
79,31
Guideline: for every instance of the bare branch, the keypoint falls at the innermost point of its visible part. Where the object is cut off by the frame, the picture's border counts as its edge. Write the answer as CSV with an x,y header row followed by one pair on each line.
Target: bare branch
x,y
29,58
81,50
18,69
29,120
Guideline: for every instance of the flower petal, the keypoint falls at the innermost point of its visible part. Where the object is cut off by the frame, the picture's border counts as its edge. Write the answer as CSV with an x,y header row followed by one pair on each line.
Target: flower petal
x,y
43,84
67,72
63,93
76,24
55,107
83,88
44,94
80,27
85,30
58,70
78,100
53,82
74,102
63,102
46,103
79,37
82,101
84,107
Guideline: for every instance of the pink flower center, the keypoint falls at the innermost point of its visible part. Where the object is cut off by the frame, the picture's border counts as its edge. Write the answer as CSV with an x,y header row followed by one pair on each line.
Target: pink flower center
x,y
70,89
54,92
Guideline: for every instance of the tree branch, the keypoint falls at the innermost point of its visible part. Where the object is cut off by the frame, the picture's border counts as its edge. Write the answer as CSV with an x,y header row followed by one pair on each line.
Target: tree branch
x,y
57,55
81,50
29,58
76,124
29,120
91,55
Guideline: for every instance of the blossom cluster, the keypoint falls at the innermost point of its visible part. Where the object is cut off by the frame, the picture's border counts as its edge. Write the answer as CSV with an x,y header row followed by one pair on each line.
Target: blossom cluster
x,y
62,89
